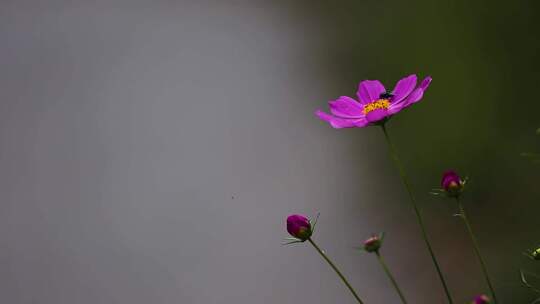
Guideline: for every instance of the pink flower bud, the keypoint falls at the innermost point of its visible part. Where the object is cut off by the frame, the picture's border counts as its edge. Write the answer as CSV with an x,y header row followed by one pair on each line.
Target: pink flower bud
x,y
373,244
299,226
452,183
481,299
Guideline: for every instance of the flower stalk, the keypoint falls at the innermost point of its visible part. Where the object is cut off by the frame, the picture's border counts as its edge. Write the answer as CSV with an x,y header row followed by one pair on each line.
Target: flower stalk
x,y
419,218
391,277
341,276
476,248
373,245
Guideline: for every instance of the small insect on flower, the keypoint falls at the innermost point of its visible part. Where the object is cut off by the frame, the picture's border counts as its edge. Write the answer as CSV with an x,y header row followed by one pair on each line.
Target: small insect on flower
x,y
375,105
481,299
300,227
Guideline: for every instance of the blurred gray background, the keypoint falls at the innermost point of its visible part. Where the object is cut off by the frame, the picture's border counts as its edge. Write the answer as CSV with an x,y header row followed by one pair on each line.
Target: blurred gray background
x,y
151,150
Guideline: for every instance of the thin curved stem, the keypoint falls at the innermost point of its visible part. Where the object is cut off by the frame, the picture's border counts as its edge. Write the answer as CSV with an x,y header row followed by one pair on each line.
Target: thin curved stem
x,y
476,248
526,284
391,277
416,210
321,252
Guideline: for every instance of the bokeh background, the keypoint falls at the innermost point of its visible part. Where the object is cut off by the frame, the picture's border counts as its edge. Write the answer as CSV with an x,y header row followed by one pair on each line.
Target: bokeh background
x,y
151,150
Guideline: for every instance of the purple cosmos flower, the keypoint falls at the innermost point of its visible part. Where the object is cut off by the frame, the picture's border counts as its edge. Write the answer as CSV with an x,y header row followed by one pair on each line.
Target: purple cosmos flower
x,y
375,103
481,299
299,226
452,183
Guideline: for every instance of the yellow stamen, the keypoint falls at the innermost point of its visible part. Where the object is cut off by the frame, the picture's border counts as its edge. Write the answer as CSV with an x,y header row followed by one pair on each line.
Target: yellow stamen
x,y
377,104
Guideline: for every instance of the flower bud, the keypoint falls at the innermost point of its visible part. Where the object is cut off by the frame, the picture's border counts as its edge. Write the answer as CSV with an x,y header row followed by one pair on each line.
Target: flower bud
x,y
299,226
452,183
481,299
373,244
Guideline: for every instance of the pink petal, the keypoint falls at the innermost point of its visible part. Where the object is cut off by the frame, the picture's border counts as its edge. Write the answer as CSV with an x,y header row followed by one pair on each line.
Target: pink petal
x,y
418,93
425,83
376,115
361,122
370,90
339,123
396,107
415,96
404,87
346,107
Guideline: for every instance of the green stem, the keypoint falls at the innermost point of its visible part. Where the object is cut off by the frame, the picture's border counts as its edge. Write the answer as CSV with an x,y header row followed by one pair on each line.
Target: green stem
x,y
416,210
476,248
391,277
321,252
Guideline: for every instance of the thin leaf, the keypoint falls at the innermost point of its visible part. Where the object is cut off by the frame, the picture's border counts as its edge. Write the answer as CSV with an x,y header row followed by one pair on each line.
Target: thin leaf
x,y
291,242
315,222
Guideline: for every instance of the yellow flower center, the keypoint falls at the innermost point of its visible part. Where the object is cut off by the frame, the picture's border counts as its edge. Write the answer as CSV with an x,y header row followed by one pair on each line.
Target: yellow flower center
x,y
377,104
